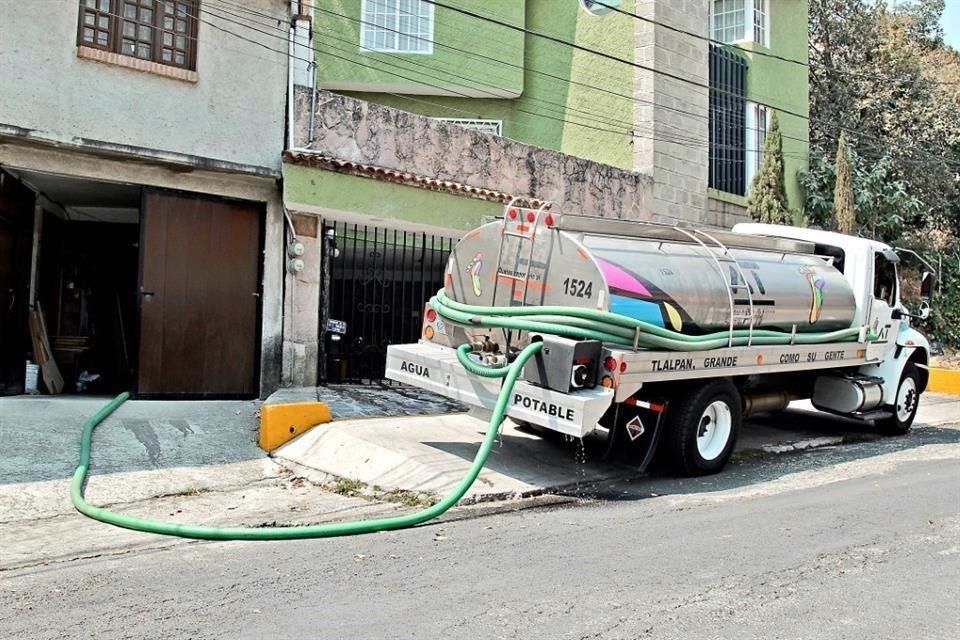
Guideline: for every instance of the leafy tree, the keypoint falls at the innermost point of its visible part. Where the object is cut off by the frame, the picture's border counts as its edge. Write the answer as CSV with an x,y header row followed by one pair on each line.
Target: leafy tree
x,y
879,71
881,201
767,200
843,210
923,18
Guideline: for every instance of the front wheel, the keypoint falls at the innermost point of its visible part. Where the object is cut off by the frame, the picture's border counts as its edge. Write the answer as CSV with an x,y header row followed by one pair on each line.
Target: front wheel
x,y
904,409
702,428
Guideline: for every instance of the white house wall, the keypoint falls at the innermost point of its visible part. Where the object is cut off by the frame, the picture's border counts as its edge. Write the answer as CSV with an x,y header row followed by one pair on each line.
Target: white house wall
x,y
234,112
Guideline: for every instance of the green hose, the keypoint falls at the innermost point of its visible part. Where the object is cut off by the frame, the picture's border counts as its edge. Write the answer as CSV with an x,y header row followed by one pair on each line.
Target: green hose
x,y
330,530
617,329
571,322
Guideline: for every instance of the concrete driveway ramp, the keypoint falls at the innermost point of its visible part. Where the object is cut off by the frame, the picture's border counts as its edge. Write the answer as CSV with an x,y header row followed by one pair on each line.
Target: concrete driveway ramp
x,y
433,453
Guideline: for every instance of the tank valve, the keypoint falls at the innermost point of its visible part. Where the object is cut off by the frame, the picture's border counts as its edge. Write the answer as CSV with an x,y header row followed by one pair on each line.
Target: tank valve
x,y
484,345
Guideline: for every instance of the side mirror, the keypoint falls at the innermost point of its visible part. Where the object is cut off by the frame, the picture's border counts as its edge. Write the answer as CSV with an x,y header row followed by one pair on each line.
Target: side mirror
x,y
924,309
926,287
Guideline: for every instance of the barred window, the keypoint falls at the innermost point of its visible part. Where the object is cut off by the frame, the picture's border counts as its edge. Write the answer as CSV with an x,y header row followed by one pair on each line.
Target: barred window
x,y
728,108
397,26
486,126
163,31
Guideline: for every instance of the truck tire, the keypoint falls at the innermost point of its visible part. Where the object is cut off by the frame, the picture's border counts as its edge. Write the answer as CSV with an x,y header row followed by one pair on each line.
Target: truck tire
x,y
701,428
904,409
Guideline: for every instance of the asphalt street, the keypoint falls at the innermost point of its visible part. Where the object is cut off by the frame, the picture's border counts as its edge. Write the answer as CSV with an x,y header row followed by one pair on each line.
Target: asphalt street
x,y
857,541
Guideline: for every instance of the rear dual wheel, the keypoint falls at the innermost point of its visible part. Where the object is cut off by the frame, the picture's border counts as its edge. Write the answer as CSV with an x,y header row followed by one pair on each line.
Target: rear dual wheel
x,y
701,428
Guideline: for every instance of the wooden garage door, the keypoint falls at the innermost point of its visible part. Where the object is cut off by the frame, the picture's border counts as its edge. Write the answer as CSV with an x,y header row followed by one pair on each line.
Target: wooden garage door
x,y
199,295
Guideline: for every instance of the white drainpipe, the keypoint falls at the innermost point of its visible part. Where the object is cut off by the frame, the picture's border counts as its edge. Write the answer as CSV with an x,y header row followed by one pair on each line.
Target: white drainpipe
x,y
290,62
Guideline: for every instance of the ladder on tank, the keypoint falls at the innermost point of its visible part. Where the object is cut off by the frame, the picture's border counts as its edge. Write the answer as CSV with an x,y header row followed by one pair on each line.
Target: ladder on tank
x,y
725,257
523,237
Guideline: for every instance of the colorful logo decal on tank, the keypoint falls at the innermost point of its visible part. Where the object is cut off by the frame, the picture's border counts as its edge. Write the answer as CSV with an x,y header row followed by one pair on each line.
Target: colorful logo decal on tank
x,y
816,282
631,295
474,270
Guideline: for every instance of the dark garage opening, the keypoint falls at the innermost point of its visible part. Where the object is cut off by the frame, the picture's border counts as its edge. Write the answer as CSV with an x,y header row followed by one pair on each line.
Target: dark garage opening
x,y
139,289
87,279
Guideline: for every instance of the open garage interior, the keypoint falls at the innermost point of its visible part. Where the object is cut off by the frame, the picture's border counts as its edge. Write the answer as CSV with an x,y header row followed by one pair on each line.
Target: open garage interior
x,y
116,287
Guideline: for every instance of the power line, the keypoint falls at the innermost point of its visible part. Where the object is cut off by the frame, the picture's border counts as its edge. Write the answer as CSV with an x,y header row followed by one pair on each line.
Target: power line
x,y
476,54
638,65
765,54
713,110
740,117
411,79
352,60
756,52
688,141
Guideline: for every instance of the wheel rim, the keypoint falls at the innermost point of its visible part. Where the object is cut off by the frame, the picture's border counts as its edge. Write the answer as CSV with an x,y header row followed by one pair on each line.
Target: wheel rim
x,y
906,399
713,433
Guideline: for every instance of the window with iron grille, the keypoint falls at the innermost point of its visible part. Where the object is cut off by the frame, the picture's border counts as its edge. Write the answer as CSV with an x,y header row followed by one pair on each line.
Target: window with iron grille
x,y
728,84
397,26
162,31
487,126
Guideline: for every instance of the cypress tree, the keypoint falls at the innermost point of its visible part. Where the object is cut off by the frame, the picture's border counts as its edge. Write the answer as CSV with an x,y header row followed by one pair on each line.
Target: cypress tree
x,y
843,211
767,200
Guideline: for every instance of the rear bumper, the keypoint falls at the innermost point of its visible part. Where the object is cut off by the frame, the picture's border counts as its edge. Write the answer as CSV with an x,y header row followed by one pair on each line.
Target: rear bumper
x,y
435,368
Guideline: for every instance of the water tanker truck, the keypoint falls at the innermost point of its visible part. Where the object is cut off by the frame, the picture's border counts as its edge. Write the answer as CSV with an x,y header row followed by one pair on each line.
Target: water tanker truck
x,y
664,338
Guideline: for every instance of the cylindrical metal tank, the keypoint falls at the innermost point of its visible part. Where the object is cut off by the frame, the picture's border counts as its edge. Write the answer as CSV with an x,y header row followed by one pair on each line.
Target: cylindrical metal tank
x,y
657,274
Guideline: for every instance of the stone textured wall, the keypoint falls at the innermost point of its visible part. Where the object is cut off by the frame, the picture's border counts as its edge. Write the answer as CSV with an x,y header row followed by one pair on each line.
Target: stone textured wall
x,y
670,115
373,134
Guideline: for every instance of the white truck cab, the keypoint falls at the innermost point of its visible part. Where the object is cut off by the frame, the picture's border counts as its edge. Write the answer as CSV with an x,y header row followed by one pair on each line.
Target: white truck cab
x,y
871,268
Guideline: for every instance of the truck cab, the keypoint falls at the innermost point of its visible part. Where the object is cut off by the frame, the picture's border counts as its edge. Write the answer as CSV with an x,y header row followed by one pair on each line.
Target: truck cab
x,y
872,270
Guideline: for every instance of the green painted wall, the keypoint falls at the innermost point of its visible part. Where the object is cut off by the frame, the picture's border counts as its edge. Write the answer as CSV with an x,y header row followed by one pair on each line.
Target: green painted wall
x,y
385,200
341,60
785,85
550,112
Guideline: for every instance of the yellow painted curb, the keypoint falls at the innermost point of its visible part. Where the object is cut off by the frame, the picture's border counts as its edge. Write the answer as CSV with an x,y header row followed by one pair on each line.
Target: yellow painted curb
x,y
944,381
281,422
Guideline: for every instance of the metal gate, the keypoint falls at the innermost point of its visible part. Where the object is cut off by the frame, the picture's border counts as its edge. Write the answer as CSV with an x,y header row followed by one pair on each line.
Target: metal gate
x,y
376,282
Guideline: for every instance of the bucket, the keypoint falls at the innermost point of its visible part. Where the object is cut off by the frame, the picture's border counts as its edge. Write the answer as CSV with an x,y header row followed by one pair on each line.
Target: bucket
x,y
32,378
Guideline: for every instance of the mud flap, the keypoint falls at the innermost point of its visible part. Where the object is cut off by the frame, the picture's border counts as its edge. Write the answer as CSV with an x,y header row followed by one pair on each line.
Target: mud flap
x,y
637,425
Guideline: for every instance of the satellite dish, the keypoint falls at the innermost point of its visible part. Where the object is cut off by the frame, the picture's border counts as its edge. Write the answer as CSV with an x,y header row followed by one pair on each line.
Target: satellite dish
x,y
601,7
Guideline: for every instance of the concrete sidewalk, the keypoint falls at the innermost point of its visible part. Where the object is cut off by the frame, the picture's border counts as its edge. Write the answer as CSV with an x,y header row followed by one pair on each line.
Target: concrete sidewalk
x,y
190,461
433,453
41,435
196,462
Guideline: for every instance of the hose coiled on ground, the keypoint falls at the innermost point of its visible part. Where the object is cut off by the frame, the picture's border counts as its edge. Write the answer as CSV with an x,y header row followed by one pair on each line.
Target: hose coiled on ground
x,y
330,530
